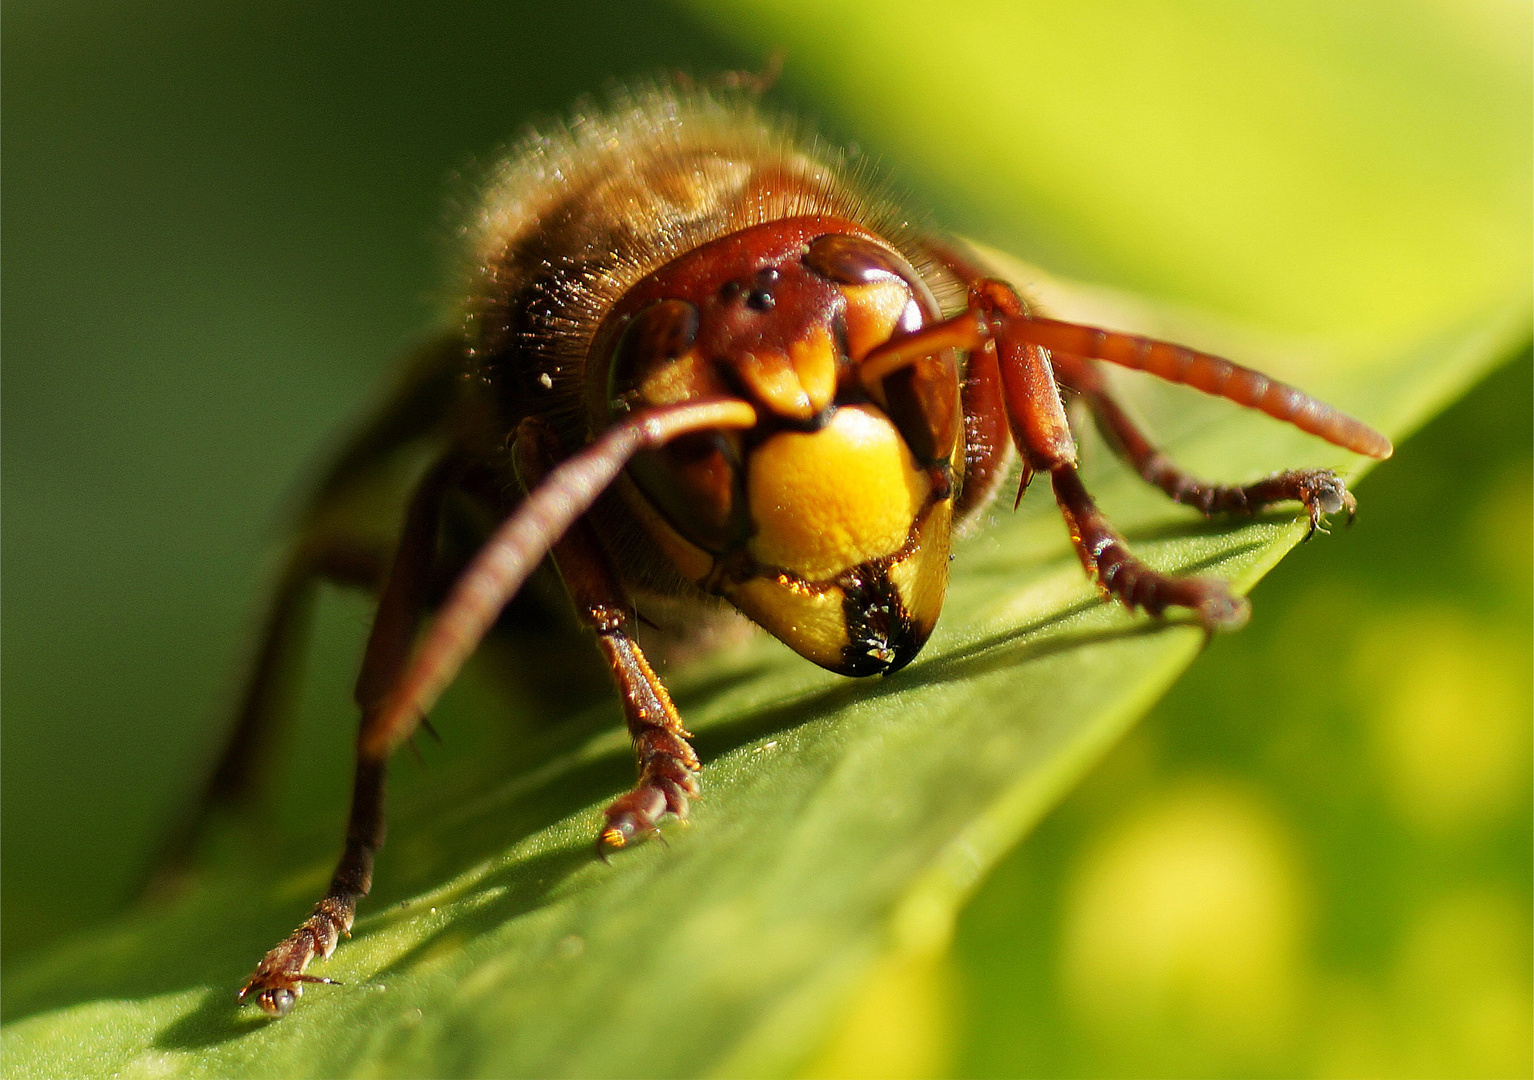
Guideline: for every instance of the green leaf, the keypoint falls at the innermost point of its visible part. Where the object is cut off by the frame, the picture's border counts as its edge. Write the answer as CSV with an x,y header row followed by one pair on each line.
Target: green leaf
x,y
844,822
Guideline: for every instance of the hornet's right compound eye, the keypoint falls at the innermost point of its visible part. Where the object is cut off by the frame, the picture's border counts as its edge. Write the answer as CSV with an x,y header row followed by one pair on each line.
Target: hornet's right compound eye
x,y
886,298
695,482
652,363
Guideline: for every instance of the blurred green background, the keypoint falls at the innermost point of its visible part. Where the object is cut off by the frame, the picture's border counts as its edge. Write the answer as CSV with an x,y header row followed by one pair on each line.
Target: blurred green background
x,y
1313,857
222,224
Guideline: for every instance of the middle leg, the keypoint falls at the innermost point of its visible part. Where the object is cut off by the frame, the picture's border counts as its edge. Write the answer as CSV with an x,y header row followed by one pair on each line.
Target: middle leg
x,y
1320,491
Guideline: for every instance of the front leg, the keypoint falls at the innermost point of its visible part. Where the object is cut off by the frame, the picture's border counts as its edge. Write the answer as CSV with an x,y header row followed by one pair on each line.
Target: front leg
x,y
1038,421
667,765
1030,397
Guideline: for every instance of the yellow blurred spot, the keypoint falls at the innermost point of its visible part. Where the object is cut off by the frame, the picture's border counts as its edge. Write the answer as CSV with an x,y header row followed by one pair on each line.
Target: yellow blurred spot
x,y
1185,923
899,1026
1451,705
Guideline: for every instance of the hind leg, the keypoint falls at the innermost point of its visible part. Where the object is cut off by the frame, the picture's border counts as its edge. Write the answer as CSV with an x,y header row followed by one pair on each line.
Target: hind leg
x,y
281,975
244,764
284,633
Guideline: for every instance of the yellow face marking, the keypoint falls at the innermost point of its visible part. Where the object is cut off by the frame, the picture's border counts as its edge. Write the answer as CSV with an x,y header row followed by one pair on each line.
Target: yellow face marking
x,y
873,312
808,621
921,578
814,360
825,501
771,379
798,385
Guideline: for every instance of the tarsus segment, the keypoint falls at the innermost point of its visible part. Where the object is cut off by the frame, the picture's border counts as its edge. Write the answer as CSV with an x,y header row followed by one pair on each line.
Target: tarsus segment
x,y
1320,490
1125,578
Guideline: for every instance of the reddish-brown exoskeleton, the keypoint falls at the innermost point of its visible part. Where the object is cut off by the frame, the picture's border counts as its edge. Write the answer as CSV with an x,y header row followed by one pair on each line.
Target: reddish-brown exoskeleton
x,y
699,364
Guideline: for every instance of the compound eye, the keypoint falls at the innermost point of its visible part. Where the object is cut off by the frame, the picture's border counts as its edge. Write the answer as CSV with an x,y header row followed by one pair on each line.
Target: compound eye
x,y
695,481
696,484
886,297
884,294
851,260
652,363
